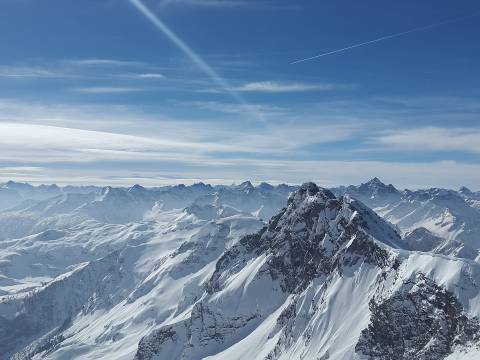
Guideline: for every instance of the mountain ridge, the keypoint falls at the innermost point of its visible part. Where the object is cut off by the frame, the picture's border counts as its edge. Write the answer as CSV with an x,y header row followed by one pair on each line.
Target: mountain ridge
x,y
325,264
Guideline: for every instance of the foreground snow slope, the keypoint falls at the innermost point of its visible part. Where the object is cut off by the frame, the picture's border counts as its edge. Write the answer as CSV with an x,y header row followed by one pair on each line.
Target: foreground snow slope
x,y
103,306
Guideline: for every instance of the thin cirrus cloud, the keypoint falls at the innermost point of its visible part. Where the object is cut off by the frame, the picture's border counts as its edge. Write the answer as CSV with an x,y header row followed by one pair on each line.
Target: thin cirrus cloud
x,y
287,87
204,151
151,76
30,72
65,69
38,143
432,139
45,144
104,62
240,109
107,90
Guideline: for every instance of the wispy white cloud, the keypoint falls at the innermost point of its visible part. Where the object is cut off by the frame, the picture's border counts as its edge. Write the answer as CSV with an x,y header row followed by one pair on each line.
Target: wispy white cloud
x,y
74,137
282,87
289,137
168,141
286,87
107,89
241,109
16,171
27,143
92,116
43,134
432,139
26,72
104,62
153,76
65,69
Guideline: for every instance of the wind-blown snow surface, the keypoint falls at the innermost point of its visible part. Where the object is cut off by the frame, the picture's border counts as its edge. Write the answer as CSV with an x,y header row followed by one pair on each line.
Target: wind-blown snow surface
x,y
192,272
97,268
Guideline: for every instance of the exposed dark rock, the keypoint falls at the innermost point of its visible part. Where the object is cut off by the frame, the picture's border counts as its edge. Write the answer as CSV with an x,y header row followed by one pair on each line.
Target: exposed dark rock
x,y
420,321
151,345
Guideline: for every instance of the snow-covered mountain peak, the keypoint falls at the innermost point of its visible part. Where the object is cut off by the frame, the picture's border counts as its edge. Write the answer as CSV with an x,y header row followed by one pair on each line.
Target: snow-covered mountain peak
x,y
375,187
311,204
375,181
137,189
246,186
265,186
314,235
374,192
310,192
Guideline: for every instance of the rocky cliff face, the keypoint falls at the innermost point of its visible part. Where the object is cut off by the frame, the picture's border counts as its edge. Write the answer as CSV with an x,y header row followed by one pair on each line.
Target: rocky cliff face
x,y
421,320
315,235
51,308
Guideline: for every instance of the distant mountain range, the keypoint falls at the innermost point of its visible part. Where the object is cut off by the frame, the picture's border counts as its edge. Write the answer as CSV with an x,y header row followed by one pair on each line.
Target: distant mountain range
x,y
239,272
439,220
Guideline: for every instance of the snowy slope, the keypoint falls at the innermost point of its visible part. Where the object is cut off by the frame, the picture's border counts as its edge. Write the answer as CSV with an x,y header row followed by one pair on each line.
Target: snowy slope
x,y
446,214
309,286
60,285
9,198
129,273
74,205
263,201
471,197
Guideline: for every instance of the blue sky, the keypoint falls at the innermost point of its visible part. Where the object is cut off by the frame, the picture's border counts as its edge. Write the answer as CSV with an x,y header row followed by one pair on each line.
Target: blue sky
x,y
97,91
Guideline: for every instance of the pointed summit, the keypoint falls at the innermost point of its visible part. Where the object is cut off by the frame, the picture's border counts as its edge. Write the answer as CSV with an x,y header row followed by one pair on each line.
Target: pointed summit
x,y
376,188
314,235
246,186
136,188
307,190
376,181
138,191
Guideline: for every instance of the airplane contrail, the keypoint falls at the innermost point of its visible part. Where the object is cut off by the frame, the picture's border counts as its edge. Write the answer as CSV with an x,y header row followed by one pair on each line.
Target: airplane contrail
x,y
196,59
386,37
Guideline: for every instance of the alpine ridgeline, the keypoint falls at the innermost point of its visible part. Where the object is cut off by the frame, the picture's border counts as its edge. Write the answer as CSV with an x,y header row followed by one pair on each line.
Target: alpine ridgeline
x,y
193,272
326,279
